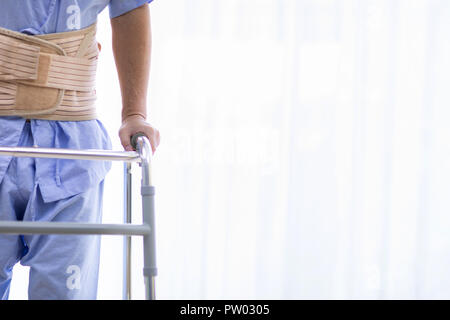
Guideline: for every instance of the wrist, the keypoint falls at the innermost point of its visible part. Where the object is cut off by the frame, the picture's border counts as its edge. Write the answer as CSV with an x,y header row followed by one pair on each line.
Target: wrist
x,y
134,115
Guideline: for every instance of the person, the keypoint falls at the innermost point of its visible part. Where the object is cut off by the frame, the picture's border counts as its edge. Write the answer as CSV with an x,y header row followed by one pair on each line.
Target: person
x,y
44,189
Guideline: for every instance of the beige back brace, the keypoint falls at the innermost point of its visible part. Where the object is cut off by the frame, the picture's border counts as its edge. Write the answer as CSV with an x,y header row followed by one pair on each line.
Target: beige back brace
x,y
50,77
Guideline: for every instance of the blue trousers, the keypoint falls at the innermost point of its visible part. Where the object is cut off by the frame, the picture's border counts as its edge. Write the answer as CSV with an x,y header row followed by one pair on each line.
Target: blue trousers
x,y
61,266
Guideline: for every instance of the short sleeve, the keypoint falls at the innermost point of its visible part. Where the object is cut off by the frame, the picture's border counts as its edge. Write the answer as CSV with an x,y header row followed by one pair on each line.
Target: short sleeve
x,y
119,7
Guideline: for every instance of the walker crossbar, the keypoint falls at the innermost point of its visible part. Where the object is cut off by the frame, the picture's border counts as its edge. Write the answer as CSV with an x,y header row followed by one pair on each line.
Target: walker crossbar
x,y
105,155
143,156
38,227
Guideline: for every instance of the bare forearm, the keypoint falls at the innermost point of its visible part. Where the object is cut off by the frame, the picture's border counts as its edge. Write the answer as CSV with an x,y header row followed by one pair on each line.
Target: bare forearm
x,y
131,39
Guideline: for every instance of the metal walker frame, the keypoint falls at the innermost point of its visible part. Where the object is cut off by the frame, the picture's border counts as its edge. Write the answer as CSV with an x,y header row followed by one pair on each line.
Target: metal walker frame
x,y
142,156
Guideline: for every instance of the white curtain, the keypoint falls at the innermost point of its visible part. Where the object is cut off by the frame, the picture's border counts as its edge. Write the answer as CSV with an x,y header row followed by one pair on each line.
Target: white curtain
x,y
305,150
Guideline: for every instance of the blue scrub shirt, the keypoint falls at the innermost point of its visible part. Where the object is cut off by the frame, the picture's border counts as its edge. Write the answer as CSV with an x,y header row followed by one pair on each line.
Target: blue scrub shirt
x,y
59,178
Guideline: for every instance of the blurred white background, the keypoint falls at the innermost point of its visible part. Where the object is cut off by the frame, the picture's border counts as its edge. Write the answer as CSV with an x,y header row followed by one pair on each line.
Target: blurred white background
x,y
305,151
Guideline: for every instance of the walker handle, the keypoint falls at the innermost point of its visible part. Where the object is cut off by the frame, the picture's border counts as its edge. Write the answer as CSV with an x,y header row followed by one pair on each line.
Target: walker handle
x,y
135,137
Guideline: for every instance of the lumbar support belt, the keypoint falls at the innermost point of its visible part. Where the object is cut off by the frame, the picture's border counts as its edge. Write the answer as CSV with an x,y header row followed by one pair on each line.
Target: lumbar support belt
x,y
48,76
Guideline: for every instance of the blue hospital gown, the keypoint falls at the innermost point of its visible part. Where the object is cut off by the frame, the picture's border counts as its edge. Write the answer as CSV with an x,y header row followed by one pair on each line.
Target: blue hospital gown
x,y
59,178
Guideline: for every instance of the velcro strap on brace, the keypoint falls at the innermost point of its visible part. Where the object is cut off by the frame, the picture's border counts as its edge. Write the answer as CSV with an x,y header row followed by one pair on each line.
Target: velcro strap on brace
x,y
38,78
63,72
18,60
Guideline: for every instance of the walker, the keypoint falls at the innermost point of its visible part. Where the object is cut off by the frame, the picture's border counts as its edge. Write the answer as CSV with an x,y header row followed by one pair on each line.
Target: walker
x,y
142,156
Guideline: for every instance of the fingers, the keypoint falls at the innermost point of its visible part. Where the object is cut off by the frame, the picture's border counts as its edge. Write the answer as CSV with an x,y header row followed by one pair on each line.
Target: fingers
x,y
125,140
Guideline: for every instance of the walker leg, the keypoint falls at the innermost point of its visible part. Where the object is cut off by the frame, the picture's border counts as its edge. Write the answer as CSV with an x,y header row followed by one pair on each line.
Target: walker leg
x,y
127,239
148,208
143,146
